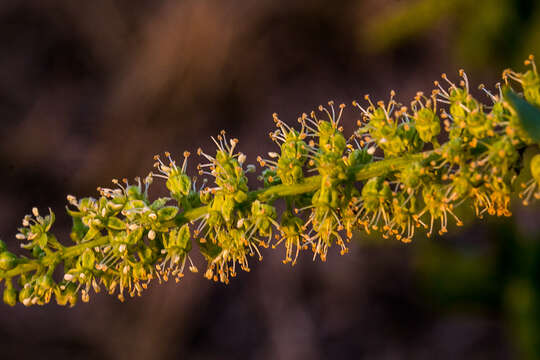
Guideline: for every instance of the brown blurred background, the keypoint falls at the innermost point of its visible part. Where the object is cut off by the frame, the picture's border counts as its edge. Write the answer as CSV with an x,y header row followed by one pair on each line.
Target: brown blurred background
x,y
91,90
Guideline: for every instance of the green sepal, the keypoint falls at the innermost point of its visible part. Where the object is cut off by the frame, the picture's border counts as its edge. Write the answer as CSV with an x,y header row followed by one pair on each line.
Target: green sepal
x,y
529,115
90,234
134,236
114,207
42,241
88,259
134,192
38,252
102,204
167,213
74,214
78,230
136,204
209,249
45,281
240,197
50,221
159,203
25,293
69,294
115,223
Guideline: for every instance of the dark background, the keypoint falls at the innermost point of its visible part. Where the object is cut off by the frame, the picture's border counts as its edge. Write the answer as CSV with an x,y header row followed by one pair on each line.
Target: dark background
x,y
91,90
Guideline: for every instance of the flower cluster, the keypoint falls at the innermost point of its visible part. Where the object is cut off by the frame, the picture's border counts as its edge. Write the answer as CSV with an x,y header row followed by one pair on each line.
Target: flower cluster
x,y
404,170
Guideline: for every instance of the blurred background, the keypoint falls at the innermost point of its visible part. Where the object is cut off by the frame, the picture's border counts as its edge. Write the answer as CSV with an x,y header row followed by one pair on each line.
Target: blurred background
x,y
91,90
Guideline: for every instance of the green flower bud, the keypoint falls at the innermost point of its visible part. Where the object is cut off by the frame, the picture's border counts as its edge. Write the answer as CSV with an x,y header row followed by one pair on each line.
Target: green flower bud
x,y
3,246
7,261
10,296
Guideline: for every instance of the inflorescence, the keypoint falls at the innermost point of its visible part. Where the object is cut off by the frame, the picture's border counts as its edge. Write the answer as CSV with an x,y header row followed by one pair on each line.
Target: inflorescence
x,y
403,169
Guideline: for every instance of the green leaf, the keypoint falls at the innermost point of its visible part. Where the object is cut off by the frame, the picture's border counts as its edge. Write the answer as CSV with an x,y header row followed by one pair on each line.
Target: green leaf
x,y
529,115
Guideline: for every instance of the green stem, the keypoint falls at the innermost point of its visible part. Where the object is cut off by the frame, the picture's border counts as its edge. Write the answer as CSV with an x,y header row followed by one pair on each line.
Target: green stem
x,y
310,184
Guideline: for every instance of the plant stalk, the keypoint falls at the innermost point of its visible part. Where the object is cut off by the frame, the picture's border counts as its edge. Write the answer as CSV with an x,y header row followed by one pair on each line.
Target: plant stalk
x,y
310,184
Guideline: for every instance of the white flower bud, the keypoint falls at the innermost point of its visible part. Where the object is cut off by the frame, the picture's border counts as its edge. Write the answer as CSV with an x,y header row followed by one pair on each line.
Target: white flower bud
x,y
152,216
35,211
273,154
242,158
240,223
122,248
68,277
151,234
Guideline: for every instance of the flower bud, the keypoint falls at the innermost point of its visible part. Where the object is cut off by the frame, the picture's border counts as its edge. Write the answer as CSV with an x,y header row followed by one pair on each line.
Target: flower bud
x,y
10,296
7,261
3,246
